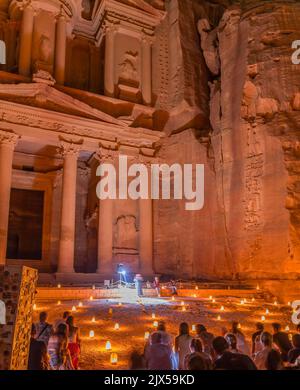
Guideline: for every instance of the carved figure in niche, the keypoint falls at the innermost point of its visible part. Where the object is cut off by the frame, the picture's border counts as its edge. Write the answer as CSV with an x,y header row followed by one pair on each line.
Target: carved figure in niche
x,y
44,55
129,67
2,313
126,232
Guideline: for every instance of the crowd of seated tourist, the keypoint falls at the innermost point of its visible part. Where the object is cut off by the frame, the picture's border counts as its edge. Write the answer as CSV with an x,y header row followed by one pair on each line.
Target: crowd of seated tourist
x,y
57,347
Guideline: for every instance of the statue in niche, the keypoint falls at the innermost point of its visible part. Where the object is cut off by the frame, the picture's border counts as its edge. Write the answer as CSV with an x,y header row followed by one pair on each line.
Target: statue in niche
x,y
44,55
128,67
125,236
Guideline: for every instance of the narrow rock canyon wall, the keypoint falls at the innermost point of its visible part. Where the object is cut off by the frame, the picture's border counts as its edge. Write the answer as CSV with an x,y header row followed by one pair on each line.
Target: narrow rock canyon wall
x,y
249,225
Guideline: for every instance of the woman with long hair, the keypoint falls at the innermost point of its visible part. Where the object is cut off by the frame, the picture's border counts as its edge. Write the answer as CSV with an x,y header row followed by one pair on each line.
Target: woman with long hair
x,y
182,344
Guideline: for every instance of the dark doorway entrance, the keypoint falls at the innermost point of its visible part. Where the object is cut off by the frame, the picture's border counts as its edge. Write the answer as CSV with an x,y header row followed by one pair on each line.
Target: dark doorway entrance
x,y
25,229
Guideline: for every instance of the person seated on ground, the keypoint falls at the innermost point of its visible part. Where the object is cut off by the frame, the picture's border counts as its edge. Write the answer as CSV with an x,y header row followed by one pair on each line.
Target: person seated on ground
x,y
61,320
173,287
158,356
274,361
281,341
232,341
294,353
227,360
196,348
73,342
43,329
38,357
206,339
182,344
242,344
60,358
260,358
256,344
136,361
196,362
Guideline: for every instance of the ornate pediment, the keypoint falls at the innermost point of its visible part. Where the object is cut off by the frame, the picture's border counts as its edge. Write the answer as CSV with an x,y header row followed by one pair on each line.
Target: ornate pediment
x,y
45,96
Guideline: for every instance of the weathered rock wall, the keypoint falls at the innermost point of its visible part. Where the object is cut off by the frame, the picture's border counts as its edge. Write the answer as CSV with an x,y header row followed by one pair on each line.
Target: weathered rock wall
x,y
252,207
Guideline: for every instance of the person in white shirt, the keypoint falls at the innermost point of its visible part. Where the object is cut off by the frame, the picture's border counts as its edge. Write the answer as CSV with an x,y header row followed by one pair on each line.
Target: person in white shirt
x,y
260,358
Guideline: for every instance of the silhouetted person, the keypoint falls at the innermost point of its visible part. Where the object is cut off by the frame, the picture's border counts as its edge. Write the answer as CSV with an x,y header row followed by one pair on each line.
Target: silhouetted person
x,y
232,341
38,358
182,344
260,358
281,340
242,344
206,339
158,356
274,361
256,345
136,361
43,328
196,349
196,362
294,353
227,360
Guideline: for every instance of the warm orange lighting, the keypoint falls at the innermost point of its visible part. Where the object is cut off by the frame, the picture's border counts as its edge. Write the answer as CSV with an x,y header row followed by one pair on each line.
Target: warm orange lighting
x,y
120,304
289,303
108,345
93,287
80,304
253,299
92,334
74,308
263,318
275,303
59,286
222,308
155,324
195,296
193,328
242,302
173,298
219,318
117,326
110,311
182,303
267,311
183,308
210,297
257,287
93,319
114,358
34,306
239,326
287,328
59,302
213,301
196,287
147,335
91,298
153,315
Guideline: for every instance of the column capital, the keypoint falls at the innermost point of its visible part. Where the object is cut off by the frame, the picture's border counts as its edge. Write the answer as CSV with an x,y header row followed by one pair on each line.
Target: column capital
x,y
8,137
70,146
147,39
110,27
107,153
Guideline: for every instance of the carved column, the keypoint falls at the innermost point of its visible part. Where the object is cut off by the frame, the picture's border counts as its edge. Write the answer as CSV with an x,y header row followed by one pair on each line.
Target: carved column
x,y
105,225
26,40
8,141
146,228
60,48
70,152
109,67
146,70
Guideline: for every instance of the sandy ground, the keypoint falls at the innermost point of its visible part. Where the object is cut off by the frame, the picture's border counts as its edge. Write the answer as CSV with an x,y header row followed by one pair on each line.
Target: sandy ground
x,y
135,319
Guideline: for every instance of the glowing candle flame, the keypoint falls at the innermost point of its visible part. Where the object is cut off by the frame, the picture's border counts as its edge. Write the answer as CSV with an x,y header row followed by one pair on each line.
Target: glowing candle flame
x,y
195,296
242,302
222,308
219,318
194,328
183,308
210,297
287,328
155,324
93,287
275,303
173,298
114,358
147,335
91,298
120,304
196,287
257,287
108,345
80,304
253,299
117,326
34,306
182,303
74,308
92,334
153,315
213,301
263,318
110,311
93,319
59,302
267,311
59,286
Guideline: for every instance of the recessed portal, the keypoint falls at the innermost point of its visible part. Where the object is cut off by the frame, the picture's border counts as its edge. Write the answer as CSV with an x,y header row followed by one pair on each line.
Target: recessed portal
x,y
25,229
